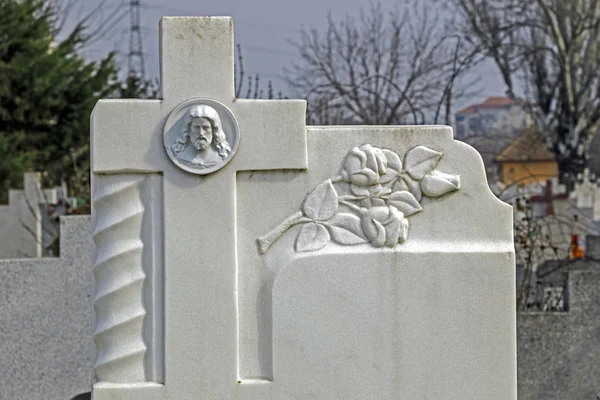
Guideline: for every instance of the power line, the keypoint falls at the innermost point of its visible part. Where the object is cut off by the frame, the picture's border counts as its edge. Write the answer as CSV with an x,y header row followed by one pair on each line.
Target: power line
x,y
237,21
135,58
101,33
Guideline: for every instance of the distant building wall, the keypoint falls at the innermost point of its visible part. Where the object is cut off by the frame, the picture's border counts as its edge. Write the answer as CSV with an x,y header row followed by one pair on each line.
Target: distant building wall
x,y
45,309
495,116
559,353
525,173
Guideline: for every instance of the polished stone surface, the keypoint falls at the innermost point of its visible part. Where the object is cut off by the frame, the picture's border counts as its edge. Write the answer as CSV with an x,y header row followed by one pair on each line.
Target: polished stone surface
x,y
45,309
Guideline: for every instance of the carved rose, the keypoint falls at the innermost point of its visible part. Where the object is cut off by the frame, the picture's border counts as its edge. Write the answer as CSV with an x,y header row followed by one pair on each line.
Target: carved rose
x,y
369,201
370,195
384,226
435,183
364,166
394,166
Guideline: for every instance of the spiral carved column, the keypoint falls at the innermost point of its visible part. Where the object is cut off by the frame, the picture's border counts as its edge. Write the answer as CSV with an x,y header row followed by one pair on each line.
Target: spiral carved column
x,y
120,303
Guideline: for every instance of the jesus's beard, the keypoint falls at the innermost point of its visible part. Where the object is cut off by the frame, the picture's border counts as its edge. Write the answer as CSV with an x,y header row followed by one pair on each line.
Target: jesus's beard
x,y
201,144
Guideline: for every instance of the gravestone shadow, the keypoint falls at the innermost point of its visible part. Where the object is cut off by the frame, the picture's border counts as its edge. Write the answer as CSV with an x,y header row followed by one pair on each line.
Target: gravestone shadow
x,y
83,396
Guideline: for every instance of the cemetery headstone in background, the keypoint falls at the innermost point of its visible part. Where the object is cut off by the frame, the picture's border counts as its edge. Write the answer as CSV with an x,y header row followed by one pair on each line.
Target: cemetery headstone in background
x,y
25,227
240,254
45,309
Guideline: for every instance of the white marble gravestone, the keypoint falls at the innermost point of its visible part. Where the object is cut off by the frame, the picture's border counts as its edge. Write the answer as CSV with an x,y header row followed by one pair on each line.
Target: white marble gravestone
x,y
239,254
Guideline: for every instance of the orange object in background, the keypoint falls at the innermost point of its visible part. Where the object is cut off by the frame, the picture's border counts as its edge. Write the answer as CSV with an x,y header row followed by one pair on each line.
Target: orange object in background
x,y
577,247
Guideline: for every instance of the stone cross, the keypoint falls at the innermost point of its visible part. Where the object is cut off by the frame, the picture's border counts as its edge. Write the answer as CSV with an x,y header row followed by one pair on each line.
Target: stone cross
x,y
548,198
194,215
240,254
585,190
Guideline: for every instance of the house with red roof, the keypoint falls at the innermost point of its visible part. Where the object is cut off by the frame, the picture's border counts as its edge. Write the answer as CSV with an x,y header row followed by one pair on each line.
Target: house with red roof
x,y
496,116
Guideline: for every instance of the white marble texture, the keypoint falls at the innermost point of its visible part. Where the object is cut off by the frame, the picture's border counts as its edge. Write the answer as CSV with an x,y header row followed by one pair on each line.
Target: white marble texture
x,y
128,276
430,318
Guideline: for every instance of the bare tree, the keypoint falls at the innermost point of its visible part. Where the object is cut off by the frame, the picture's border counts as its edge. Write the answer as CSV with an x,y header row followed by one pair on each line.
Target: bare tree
x,y
382,68
253,88
490,145
550,48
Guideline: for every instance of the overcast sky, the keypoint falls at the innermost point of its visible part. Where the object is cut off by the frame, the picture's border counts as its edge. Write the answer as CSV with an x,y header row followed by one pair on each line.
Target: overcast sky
x,y
262,27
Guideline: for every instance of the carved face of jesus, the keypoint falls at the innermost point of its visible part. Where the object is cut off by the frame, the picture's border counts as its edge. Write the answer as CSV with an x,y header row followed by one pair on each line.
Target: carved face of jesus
x,y
201,133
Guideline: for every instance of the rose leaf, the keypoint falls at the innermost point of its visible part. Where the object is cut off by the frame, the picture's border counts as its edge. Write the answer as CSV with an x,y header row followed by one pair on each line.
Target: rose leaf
x,y
405,202
322,203
346,229
312,237
420,160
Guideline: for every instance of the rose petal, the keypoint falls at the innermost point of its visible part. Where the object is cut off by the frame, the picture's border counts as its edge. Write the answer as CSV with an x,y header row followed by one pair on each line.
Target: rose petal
x,y
366,203
360,190
376,202
393,160
453,179
369,228
435,184
355,160
371,161
394,226
393,233
383,190
344,175
381,160
379,213
394,214
380,240
364,177
359,179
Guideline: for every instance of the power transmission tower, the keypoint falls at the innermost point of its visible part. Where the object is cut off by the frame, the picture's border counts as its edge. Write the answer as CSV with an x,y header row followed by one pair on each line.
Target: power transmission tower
x,y
135,60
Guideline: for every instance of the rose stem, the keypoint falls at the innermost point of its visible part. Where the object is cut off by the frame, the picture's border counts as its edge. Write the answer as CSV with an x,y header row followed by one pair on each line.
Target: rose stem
x,y
352,206
336,179
264,242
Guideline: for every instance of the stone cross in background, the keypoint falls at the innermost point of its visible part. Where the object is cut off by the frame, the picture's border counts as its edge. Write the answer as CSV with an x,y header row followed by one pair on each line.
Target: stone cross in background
x,y
240,254
587,194
45,312
26,229
548,197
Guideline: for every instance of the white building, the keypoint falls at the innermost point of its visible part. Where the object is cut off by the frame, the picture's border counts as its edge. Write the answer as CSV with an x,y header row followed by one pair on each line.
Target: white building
x,y
496,116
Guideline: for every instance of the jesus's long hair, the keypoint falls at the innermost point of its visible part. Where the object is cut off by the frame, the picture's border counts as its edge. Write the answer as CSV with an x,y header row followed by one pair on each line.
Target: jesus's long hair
x,y
219,140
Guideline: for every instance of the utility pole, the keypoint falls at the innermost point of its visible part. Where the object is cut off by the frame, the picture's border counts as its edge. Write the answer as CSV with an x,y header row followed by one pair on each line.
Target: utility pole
x,y
135,60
